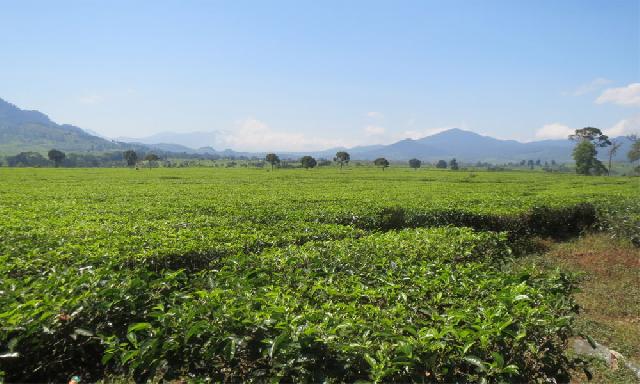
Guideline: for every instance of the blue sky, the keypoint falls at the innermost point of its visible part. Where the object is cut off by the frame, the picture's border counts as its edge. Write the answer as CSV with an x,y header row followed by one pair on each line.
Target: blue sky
x,y
313,74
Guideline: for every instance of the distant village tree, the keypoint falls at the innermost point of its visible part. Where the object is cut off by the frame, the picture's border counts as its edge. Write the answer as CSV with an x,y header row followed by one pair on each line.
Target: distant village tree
x,y
530,164
381,162
415,164
342,158
272,159
131,157
308,162
56,156
441,164
453,164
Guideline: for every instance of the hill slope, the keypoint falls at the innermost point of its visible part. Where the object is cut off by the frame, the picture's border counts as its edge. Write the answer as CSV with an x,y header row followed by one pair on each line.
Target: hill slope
x,y
22,130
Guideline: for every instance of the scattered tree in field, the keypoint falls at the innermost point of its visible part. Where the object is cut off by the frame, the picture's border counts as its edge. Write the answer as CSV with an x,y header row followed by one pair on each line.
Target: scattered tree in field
x,y
381,162
27,159
593,135
585,153
308,162
523,162
131,157
613,149
530,164
151,159
272,159
415,164
56,156
441,164
453,164
342,158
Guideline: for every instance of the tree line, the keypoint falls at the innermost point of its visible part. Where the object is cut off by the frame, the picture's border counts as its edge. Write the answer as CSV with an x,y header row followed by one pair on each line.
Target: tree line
x,y
588,141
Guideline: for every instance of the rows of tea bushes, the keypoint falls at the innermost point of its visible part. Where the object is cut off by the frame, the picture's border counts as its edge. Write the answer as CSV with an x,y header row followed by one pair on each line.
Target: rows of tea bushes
x,y
621,218
421,305
246,274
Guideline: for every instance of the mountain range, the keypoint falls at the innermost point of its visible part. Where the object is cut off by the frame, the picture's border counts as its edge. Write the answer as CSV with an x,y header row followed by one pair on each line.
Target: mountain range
x,y
24,130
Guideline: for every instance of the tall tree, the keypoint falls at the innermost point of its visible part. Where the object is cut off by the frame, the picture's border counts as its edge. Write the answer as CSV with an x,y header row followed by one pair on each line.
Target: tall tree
x,y
453,164
342,158
381,162
441,164
591,134
308,162
615,145
415,164
585,153
56,156
131,157
272,159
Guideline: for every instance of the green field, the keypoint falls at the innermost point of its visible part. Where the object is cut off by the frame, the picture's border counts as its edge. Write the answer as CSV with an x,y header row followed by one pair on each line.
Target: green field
x,y
291,275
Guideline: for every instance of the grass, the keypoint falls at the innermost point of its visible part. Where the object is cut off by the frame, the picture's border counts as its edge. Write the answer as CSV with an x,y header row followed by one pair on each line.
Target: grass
x,y
609,295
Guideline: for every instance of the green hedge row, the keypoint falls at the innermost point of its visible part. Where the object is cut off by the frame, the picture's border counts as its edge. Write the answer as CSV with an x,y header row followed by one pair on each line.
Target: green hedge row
x,y
414,305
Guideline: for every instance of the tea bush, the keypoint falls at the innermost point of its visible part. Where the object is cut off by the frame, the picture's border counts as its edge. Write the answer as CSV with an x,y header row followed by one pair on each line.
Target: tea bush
x,y
243,274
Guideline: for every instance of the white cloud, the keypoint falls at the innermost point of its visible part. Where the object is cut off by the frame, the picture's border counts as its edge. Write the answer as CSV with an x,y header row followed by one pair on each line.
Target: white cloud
x,y
554,131
589,87
560,131
373,130
254,135
629,95
375,115
625,127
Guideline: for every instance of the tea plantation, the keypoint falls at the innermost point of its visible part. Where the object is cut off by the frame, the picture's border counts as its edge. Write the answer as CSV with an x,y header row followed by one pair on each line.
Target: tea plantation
x,y
293,275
